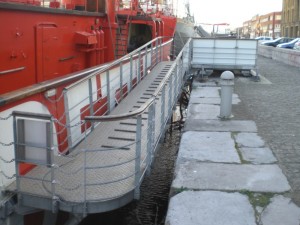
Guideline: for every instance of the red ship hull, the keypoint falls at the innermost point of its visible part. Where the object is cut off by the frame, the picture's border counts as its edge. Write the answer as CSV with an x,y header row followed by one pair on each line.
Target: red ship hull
x,y
42,46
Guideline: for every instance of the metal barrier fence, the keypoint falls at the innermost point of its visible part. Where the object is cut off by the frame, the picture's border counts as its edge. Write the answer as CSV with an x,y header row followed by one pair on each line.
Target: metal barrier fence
x,y
94,171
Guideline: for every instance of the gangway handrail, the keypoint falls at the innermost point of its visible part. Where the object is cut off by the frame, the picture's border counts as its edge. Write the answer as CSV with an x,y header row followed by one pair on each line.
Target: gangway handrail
x,y
122,59
143,107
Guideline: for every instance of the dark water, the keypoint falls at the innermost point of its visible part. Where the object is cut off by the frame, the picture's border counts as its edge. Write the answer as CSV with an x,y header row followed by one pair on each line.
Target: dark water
x,y
152,207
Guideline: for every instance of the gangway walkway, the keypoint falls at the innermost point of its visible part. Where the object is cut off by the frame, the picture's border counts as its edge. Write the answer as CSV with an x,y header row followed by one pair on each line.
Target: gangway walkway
x,y
104,170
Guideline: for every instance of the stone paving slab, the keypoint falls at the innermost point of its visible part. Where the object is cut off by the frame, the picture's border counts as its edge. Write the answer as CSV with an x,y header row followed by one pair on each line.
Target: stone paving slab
x,y
258,176
208,146
281,211
230,177
207,83
205,92
201,111
258,155
212,101
220,125
249,140
210,208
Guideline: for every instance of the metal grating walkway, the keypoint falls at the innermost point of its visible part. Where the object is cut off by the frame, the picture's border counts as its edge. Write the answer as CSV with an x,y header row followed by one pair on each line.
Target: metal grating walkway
x,y
116,141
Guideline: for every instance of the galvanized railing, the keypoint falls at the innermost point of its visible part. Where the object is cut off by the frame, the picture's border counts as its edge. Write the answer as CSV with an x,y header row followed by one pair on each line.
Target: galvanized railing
x,y
94,171
116,81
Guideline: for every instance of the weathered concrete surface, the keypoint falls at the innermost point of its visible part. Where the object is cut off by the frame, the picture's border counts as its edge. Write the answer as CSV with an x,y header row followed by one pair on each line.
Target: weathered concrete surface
x,y
208,146
271,103
213,101
281,211
210,208
201,111
220,125
249,140
230,177
205,92
258,155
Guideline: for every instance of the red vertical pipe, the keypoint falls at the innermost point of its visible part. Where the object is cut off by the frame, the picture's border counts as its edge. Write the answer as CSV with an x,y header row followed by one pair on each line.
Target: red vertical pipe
x,y
110,10
91,55
111,27
101,46
98,48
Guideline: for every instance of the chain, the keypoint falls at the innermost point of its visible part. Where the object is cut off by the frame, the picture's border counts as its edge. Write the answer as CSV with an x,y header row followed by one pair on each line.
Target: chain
x,y
6,118
56,100
68,126
8,177
4,144
7,161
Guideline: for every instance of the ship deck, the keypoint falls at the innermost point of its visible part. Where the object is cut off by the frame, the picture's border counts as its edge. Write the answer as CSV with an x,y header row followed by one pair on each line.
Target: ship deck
x,y
100,194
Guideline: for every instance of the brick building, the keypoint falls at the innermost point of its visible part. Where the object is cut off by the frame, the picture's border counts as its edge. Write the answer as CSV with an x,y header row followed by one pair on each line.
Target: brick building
x,y
269,25
264,25
291,18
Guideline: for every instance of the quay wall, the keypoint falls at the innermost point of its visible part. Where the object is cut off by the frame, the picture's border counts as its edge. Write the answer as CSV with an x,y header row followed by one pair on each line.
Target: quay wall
x,y
287,56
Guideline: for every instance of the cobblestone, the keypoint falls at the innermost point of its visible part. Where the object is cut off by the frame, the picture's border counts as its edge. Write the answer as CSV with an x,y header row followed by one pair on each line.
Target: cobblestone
x,y
275,108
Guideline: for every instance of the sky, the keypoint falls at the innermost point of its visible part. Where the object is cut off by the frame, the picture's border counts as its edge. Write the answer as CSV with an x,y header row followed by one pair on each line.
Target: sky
x,y
234,12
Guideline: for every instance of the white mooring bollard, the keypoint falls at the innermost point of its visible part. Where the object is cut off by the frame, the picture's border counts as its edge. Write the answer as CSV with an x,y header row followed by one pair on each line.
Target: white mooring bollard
x,y
227,82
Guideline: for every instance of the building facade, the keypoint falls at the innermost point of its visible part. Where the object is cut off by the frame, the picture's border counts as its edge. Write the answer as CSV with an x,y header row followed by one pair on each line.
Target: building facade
x,y
291,18
269,25
264,25
246,31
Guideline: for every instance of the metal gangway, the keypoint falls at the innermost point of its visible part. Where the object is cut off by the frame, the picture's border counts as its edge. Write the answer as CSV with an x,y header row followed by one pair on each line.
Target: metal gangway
x,y
108,154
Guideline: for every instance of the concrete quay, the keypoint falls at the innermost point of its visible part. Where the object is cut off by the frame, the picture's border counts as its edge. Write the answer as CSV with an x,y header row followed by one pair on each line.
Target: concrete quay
x,y
226,173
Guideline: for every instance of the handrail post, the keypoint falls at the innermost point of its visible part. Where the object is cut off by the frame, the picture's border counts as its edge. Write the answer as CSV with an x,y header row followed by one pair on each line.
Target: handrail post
x,y
121,81
138,156
139,68
161,50
16,142
84,180
163,100
150,137
176,86
151,54
170,94
91,100
146,59
153,128
180,74
52,166
190,52
131,74
108,91
67,111
156,51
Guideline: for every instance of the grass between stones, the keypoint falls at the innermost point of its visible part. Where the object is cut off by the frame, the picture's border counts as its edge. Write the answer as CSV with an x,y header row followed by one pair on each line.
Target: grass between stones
x,y
258,199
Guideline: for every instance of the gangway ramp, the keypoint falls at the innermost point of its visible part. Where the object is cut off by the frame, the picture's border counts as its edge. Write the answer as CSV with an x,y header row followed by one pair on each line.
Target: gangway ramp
x,y
104,171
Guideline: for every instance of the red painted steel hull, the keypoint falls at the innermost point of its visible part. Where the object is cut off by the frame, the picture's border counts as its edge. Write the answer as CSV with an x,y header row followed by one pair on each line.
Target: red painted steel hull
x,y
40,45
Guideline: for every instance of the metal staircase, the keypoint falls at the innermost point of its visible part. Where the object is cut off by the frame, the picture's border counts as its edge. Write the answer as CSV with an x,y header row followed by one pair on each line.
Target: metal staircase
x,y
122,39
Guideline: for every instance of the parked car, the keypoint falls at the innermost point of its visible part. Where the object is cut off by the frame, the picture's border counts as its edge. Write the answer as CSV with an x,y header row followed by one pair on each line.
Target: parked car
x,y
263,38
297,46
277,41
289,45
